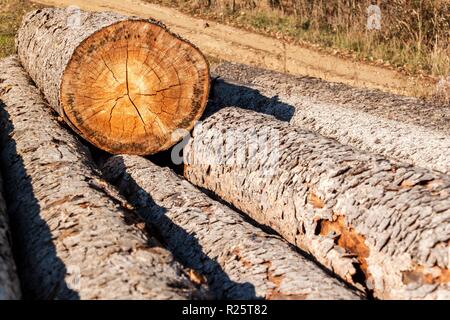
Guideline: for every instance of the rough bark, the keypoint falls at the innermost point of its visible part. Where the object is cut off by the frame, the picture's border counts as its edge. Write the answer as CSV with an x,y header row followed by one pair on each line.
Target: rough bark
x,y
9,282
365,119
239,260
123,83
73,237
375,102
373,221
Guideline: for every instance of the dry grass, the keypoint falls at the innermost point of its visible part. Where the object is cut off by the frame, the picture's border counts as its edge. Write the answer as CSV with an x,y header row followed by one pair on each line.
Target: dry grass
x,y
11,13
414,35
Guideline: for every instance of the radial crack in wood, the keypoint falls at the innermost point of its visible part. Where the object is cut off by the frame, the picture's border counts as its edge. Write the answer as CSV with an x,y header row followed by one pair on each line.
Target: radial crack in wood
x,y
125,84
74,236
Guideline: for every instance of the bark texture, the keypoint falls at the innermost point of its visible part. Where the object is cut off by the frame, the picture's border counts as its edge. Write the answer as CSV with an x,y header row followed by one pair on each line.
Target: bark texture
x,y
375,102
366,119
9,282
74,237
373,221
123,83
239,260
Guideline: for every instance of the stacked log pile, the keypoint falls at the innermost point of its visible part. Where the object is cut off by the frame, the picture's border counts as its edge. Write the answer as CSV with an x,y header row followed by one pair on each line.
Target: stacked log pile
x,y
73,237
319,191
241,261
403,128
373,221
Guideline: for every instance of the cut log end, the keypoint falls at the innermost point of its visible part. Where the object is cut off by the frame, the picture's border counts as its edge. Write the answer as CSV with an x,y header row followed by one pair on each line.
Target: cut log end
x,y
129,87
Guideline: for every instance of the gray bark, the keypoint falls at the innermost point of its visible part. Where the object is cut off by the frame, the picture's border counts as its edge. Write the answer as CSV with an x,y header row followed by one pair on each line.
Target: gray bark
x,y
375,102
74,237
239,260
9,282
45,43
403,128
372,221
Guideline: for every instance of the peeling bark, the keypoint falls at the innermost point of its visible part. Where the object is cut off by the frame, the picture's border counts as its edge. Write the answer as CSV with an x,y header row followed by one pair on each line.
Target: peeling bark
x,y
73,236
370,220
9,282
125,84
403,128
239,260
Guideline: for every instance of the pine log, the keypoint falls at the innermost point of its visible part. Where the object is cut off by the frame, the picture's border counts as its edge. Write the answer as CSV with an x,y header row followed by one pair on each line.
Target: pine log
x,y
239,260
369,121
428,114
125,84
375,222
9,282
73,237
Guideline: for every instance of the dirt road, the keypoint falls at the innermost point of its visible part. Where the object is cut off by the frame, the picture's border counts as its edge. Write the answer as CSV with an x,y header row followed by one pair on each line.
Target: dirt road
x,y
236,45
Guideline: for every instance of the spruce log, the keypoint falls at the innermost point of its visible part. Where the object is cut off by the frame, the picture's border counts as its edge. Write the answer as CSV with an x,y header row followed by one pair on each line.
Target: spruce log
x,y
73,237
9,282
361,122
373,221
239,260
125,84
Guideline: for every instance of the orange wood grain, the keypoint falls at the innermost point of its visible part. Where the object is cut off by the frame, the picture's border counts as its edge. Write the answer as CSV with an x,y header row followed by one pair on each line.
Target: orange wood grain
x,y
130,85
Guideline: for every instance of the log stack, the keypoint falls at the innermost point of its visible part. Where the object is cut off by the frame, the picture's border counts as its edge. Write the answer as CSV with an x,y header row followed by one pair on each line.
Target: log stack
x,y
127,85
402,128
311,205
240,261
74,238
374,222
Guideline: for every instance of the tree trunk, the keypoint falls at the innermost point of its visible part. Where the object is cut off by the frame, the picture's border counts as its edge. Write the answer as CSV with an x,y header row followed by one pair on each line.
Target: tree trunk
x,y
365,119
372,221
9,282
239,260
74,238
124,84
375,102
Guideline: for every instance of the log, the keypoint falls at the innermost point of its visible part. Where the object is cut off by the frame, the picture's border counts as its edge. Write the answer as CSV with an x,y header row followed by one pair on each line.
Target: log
x,y
239,260
125,84
74,237
375,222
428,114
9,281
365,119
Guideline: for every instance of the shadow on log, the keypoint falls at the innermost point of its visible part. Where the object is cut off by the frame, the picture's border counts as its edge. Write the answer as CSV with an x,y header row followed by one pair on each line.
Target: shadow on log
x,y
74,236
375,222
39,255
9,281
184,243
239,260
349,123
433,116
227,93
